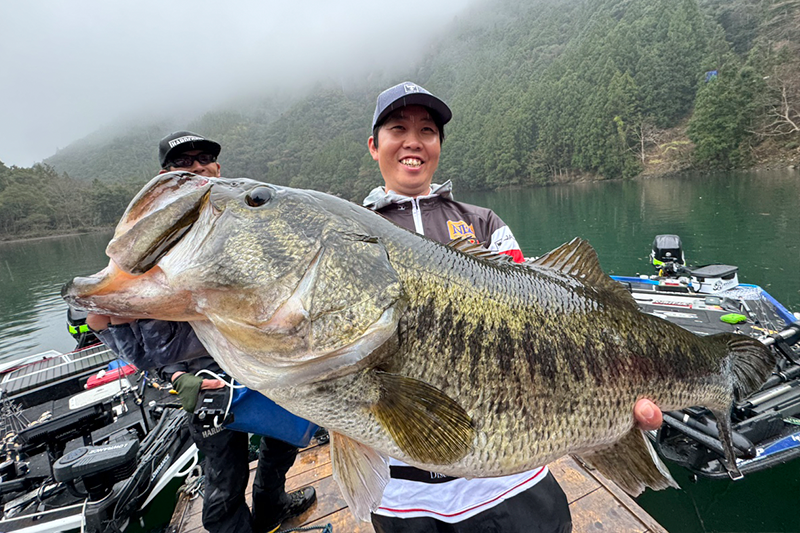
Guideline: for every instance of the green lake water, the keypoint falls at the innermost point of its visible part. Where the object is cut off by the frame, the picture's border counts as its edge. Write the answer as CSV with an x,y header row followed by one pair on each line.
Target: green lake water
x,y
748,219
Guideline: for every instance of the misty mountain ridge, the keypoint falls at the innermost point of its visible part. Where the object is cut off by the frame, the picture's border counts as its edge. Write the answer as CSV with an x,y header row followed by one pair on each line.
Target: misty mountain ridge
x,y
541,91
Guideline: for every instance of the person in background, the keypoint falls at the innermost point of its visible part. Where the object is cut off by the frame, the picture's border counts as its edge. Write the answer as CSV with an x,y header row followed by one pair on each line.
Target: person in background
x,y
226,452
407,135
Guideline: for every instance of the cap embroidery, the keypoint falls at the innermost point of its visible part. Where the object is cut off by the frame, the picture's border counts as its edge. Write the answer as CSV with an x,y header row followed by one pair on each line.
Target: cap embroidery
x,y
180,140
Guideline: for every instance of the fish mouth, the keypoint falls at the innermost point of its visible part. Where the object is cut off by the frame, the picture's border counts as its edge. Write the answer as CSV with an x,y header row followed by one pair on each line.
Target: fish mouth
x,y
137,283
113,291
156,220
133,285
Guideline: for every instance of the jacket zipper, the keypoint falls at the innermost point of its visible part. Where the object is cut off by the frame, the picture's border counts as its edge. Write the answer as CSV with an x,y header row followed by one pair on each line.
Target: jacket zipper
x,y
416,213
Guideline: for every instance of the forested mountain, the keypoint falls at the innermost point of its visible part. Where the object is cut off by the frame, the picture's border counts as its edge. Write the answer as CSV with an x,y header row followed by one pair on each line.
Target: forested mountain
x,y
542,91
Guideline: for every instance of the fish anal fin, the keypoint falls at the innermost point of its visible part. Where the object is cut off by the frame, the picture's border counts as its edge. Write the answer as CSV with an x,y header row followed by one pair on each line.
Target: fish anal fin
x,y
578,259
424,422
361,473
632,463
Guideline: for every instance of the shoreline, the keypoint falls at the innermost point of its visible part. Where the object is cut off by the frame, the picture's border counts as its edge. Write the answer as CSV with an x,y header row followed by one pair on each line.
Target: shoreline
x,y
789,162
779,162
55,235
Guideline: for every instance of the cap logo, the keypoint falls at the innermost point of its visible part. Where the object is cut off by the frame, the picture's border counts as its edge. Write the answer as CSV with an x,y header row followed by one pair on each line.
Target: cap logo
x,y
412,88
180,140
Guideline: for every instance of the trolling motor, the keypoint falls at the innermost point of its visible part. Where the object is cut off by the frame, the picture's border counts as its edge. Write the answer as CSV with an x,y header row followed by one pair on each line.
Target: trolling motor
x,y
99,467
667,256
76,324
54,434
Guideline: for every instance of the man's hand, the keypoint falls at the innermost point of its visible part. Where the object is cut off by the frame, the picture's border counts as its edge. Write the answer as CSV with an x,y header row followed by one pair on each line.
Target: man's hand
x,y
189,386
101,322
647,414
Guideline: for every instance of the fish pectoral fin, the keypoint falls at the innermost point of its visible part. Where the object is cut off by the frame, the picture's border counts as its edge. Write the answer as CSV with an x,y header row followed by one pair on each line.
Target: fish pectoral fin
x,y
361,473
632,464
424,422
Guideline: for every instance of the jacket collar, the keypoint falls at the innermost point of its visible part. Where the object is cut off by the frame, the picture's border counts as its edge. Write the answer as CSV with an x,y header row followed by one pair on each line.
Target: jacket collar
x,y
379,198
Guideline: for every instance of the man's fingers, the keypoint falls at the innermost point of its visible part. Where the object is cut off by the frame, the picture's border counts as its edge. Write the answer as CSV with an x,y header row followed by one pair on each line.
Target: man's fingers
x,y
97,322
212,384
101,322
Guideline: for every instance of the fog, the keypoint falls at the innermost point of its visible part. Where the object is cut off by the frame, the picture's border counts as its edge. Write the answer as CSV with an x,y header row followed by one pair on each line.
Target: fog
x,y
69,68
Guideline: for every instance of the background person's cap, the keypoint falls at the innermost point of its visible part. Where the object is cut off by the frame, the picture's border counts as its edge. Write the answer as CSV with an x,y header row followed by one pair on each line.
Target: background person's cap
x,y
408,93
184,141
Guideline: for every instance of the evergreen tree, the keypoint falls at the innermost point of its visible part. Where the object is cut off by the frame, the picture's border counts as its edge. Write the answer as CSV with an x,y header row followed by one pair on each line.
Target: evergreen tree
x,y
724,109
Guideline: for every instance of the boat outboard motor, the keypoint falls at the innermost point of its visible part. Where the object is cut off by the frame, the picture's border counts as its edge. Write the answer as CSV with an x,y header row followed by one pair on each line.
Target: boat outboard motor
x,y
667,255
76,324
100,467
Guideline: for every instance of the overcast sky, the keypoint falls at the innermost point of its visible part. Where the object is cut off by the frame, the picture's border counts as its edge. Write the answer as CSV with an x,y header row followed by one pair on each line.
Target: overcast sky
x,y
69,67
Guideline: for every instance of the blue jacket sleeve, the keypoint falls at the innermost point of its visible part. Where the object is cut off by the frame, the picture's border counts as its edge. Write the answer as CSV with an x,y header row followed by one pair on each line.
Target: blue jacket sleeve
x,y
151,344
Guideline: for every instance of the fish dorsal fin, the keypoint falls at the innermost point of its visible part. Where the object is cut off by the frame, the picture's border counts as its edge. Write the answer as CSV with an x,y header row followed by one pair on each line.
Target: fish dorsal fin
x,y
474,249
578,259
361,473
632,463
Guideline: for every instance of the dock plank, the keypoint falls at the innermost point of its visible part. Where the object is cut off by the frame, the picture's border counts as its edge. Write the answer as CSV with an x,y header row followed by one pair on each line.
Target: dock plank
x,y
600,511
596,503
624,500
575,481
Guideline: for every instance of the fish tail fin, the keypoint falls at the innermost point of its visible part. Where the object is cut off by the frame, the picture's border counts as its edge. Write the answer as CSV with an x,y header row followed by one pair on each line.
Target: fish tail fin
x,y
750,362
632,463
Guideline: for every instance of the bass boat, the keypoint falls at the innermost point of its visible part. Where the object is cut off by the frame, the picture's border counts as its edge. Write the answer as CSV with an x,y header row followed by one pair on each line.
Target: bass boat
x,y
710,299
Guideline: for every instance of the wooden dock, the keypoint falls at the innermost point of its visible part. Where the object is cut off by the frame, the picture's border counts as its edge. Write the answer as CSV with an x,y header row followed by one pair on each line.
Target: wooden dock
x,y
596,503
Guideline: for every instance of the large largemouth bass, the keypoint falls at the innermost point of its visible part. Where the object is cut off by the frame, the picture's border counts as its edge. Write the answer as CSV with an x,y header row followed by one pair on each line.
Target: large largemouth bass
x,y
444,357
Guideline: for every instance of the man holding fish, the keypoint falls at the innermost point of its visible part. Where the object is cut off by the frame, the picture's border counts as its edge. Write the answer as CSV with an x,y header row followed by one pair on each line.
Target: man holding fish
x,y
407,135
226,452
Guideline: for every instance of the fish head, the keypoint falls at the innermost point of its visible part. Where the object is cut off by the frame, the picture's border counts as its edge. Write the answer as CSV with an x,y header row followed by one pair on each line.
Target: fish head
x,y
270,277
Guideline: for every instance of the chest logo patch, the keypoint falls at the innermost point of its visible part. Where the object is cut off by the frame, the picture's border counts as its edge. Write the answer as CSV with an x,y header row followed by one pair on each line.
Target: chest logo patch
x,y
460,230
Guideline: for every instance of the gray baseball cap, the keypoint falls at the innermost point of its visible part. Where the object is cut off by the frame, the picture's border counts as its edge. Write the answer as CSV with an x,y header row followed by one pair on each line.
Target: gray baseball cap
x,y
408,93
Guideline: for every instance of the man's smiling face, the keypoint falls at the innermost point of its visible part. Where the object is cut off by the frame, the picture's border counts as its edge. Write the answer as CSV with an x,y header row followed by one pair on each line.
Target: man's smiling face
x,y
407,150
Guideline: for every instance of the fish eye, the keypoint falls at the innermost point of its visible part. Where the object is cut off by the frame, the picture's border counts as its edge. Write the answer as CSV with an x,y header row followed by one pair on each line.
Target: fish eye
x,y
258,196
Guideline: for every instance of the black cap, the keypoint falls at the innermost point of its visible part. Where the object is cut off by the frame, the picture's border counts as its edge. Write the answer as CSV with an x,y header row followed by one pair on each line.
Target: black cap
x,y
183,141
408,93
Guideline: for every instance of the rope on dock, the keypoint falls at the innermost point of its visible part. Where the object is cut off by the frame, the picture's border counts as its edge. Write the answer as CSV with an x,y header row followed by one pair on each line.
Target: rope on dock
x,y
327,528
193,485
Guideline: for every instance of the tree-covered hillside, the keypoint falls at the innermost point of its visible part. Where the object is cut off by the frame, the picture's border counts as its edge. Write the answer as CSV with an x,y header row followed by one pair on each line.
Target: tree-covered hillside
x,y
542,91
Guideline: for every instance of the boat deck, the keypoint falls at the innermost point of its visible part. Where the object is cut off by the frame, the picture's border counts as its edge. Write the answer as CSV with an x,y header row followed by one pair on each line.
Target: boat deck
x,y
596,503
34,382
